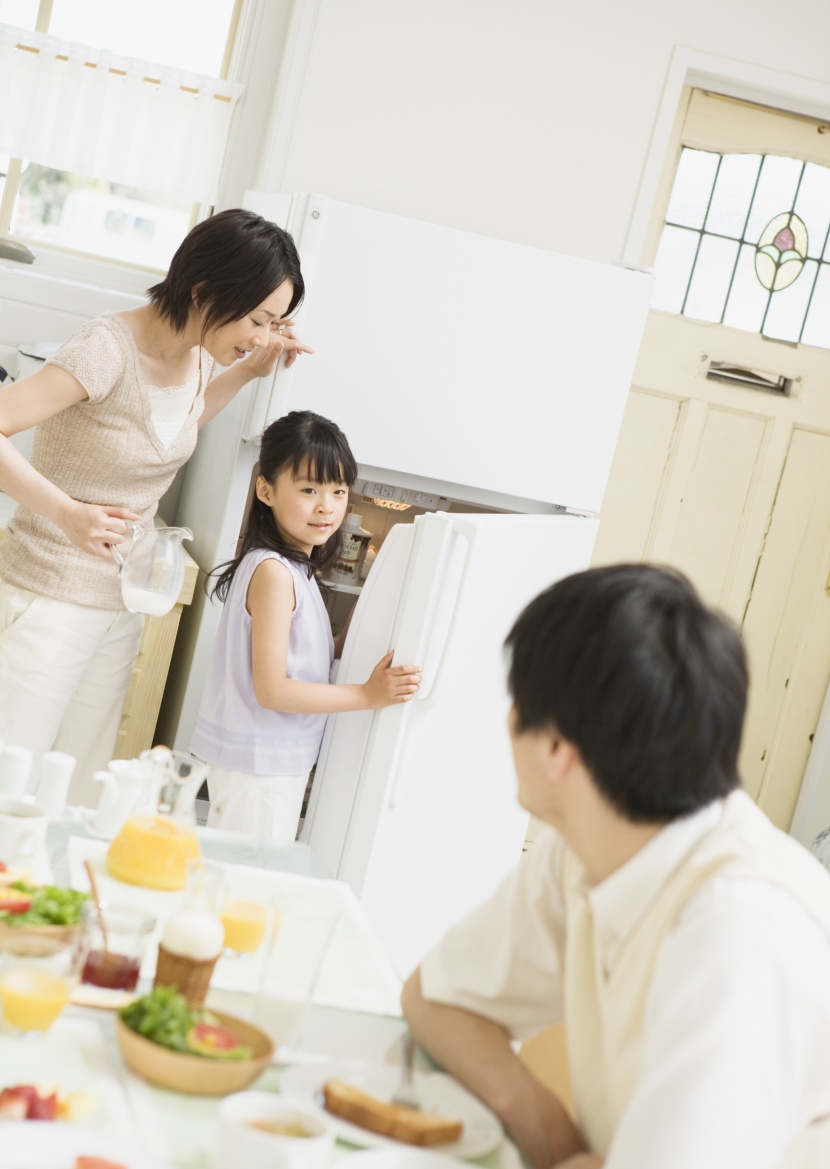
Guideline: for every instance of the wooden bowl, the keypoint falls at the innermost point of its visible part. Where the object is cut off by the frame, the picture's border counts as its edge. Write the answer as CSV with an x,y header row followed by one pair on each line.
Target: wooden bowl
x,y
197,1075
10,933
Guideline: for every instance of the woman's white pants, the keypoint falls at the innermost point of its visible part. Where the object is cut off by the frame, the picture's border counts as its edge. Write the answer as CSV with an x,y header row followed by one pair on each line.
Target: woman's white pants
x,y
64,673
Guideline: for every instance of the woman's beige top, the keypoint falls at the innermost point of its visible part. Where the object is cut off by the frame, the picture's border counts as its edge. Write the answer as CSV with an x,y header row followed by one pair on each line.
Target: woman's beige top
x,y
103,450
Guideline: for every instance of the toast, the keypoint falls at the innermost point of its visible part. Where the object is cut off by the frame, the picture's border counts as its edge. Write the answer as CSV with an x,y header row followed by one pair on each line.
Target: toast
x,y
389,1120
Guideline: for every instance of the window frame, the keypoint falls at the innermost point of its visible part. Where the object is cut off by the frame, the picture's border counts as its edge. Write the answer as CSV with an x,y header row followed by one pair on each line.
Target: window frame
x,y
60,262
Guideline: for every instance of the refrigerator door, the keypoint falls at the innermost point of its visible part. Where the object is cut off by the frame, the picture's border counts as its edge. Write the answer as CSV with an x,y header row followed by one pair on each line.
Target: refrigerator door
x,y
507,367
415,805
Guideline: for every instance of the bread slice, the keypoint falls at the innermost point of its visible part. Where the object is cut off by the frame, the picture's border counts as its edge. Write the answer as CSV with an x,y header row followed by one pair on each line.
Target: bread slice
x,y
389,1120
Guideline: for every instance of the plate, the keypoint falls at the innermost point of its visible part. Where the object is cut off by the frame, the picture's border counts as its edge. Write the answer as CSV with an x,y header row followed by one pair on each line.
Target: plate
x,y
101,997
31,1144
401,1159
440,1093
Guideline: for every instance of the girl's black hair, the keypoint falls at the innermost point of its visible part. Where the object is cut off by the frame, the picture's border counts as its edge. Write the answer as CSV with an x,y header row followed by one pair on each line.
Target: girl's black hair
x,y
231,262
296,441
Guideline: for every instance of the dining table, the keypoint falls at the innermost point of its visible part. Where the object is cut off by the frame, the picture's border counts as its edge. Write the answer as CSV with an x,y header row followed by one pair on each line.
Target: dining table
x,y
354,1018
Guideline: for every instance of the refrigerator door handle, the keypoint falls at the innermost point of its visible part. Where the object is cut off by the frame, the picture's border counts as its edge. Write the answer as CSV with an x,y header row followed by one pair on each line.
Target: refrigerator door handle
x,y
447,588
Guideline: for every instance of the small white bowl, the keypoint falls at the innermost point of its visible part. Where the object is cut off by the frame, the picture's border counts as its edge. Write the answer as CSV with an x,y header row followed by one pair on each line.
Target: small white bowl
x,y
239,1142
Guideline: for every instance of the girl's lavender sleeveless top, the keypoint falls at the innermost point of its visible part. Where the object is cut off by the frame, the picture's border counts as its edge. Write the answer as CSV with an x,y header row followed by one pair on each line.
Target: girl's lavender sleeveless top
x,y
232,729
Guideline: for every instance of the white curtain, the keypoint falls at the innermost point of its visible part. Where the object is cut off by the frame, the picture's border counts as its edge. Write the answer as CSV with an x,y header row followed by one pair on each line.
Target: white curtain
x,y
166,135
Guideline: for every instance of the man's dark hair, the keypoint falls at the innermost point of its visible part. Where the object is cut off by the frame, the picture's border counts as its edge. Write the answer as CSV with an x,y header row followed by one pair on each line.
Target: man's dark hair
x,y
231,263
627,663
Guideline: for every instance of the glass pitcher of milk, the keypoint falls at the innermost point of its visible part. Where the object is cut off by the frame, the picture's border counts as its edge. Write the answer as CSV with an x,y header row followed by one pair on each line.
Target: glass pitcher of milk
x,y
151,567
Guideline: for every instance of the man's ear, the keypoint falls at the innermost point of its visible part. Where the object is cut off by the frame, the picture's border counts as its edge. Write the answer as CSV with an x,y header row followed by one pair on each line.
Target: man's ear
x,y
262,490
562,756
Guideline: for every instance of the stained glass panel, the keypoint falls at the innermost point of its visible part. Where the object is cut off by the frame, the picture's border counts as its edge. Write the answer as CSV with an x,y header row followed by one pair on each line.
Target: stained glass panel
x,y
813,206
692,189
675,260
817,326
746,243
733,192
785,315
710,281
747,298
776,192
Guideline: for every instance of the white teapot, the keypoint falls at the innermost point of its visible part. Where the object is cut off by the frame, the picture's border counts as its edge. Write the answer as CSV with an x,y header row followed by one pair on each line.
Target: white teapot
x,y
127,790
151,567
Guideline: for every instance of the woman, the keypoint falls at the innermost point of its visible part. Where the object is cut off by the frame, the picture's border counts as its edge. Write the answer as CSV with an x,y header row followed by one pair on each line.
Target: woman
x,y
117,410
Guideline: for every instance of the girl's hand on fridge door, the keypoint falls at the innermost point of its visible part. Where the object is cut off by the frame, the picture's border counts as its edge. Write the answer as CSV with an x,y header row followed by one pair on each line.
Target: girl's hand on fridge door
x,y
388,684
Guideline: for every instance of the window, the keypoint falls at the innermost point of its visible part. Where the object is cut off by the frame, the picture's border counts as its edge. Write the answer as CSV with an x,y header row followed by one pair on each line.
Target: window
x,y
746,243
117,208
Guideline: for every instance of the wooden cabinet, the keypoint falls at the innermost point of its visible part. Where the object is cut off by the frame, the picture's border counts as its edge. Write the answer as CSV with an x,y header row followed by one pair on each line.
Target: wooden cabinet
x,y
141,706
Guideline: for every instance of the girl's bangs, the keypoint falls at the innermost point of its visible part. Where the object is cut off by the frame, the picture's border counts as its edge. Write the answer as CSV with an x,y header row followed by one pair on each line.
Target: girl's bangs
x,y
324,463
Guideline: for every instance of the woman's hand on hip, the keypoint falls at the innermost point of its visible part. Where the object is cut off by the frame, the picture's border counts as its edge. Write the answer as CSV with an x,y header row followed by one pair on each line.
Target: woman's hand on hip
x,y
390,684
93,527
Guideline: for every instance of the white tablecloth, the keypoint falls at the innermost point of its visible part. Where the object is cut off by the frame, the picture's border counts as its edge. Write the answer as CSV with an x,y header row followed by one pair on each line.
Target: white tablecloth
x,y
356,975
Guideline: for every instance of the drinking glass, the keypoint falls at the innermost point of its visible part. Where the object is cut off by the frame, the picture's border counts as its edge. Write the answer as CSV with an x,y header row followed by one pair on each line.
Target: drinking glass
x,y
117,939
245,923
299,939
37,975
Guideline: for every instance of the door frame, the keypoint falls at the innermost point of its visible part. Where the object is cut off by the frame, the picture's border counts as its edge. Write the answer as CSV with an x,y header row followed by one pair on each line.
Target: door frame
x,y
692,69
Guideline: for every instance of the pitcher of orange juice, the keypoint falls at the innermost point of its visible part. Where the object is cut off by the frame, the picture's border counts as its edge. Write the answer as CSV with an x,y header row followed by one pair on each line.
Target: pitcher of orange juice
x,y
154,849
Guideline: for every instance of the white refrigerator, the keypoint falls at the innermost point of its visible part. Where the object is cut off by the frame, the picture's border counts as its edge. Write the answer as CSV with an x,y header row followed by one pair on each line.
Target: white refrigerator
x,y
461,368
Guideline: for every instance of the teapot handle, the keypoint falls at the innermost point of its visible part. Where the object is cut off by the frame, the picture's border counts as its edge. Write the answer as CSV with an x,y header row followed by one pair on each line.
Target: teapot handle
x,y
108,798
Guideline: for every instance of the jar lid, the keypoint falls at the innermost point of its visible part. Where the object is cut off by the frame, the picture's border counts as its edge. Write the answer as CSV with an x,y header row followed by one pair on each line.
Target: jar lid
x,y
352,523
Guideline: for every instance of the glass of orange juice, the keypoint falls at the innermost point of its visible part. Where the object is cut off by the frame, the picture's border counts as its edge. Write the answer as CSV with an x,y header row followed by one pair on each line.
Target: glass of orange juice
x,y
37,975
245,924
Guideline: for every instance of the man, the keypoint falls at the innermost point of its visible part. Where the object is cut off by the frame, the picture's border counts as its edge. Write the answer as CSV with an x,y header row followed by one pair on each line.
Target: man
x,y
684,940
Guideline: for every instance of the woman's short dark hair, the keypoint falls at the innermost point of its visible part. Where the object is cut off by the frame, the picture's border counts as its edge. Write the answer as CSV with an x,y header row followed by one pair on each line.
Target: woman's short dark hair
x,y
627,663
232,262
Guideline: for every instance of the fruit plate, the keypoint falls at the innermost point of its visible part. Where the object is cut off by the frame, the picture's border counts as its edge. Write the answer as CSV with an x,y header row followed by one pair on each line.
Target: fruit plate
x,y
34,1145
439,1093
197,1075
72,1058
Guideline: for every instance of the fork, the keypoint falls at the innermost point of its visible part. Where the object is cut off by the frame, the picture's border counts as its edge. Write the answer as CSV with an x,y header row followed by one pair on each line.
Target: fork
x,y
406,1094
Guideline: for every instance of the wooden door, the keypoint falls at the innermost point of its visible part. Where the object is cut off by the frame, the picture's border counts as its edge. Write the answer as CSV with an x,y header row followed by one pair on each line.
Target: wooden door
x,y
732,485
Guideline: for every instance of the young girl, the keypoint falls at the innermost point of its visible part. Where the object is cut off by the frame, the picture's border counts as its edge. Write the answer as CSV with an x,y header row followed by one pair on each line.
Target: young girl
x,y
267,691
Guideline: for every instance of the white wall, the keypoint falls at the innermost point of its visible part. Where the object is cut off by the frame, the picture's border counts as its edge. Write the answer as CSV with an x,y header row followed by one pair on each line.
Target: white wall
x,y
525,119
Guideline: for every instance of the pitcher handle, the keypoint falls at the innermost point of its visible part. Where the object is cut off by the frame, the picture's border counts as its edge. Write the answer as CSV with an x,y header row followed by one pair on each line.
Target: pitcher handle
x,y
134,534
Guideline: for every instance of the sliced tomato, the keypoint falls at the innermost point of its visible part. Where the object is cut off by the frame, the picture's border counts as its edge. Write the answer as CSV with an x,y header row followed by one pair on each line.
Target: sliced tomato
x,y
211,1039
22,1102
97,1163
13,901
43,1108
13,1106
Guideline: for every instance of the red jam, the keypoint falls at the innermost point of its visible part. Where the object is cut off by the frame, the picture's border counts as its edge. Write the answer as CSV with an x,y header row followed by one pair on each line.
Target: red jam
x,y
113,971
